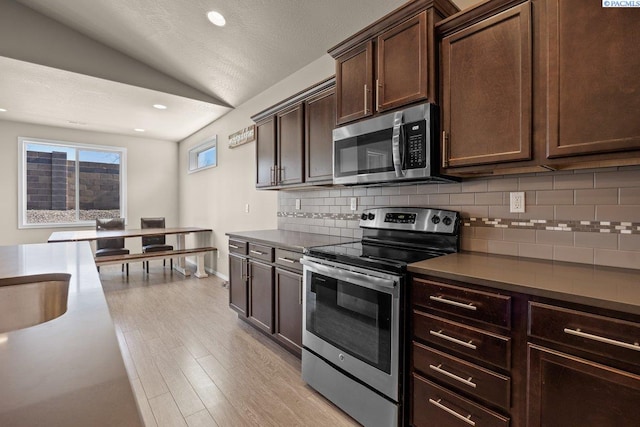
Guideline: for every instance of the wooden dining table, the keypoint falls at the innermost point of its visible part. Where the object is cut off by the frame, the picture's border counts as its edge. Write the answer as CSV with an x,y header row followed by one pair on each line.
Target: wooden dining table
x,y
179,232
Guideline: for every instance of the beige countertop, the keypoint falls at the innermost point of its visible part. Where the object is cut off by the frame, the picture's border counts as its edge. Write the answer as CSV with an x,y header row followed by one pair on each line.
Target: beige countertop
x,y
67,371
605,287
294,240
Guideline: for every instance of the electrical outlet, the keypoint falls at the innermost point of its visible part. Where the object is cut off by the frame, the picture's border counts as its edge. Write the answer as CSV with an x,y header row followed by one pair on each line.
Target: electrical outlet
x,y
516,201
297,204
354,203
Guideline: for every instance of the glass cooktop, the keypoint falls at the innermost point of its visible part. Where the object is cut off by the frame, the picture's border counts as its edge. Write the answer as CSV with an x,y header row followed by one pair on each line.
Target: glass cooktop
x,y
382,257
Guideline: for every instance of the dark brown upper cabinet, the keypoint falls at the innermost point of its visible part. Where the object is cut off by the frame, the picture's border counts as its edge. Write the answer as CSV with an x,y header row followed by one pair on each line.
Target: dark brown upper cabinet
x,y
593,93
486,90
320,120
294,139
290,143
354,71
391,63
403,72
530,86
265,152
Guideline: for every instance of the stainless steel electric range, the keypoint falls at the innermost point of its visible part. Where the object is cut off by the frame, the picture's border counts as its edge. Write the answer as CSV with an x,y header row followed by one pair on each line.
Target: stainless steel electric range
x,y
354,303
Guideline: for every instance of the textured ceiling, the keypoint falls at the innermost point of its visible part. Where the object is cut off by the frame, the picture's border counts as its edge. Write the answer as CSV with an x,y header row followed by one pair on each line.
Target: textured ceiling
x,y
263,42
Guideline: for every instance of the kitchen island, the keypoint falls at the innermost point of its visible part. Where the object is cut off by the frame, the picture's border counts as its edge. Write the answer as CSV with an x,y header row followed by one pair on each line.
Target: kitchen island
x,y
67,371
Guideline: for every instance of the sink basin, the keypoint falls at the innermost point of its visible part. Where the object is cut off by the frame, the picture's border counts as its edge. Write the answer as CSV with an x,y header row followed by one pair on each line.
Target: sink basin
x,y
31,300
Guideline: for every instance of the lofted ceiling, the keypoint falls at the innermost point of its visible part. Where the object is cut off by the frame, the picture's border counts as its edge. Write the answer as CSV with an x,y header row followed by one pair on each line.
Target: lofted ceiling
x,y
200,71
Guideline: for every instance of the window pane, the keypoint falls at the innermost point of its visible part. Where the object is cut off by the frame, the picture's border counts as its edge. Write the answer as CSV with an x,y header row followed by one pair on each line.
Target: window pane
x,y
53,170
207,157
50,189
99,185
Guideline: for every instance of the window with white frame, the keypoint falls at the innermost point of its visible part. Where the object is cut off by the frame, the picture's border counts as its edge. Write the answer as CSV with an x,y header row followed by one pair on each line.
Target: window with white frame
x,y
204,156
67,183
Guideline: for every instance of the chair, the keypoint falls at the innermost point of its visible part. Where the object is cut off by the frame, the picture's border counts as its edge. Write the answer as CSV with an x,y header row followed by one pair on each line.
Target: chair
x,y
106,247
154,243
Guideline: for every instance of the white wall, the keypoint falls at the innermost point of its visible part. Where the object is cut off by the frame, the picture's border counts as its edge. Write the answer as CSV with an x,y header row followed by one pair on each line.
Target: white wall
x,y
216,198
152,170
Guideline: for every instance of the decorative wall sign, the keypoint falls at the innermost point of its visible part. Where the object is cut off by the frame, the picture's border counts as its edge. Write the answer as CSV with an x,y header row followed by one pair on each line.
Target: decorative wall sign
x,y
243,136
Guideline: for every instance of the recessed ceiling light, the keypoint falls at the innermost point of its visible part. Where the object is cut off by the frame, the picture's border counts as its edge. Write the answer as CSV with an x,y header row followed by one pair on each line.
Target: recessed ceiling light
x,y
2,110
216,18
160,106
139,130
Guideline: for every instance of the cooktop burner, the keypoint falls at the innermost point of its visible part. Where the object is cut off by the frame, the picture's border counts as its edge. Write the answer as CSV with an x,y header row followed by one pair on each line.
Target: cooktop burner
x,y
395,237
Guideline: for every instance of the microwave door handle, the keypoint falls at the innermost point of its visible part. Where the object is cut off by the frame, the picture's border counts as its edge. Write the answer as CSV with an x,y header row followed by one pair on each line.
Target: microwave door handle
x,y
395,143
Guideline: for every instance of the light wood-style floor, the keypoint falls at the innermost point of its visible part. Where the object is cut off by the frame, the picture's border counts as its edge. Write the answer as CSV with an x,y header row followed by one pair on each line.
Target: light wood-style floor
x,y
192,363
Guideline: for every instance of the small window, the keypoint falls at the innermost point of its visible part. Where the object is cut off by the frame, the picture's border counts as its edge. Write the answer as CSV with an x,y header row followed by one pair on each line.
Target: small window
x,y
66,183
203,156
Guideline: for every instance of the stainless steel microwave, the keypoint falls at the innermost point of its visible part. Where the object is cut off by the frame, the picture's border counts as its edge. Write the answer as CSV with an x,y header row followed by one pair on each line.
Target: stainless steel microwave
x,y
395,147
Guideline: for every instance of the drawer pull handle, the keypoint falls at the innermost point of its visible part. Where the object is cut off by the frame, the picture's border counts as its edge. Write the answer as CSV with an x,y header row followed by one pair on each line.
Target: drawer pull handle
x,y
468,344
468,306
234,246
453,376
466,419
257,252
290,261
579,333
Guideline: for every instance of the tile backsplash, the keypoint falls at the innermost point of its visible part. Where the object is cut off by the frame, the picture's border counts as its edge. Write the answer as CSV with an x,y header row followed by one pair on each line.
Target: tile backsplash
x,y
586,216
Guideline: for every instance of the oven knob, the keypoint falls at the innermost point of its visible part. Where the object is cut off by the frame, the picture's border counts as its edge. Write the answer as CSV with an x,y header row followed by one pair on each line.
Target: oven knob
x,y
363,216
341,357
447,220
435,219
371,216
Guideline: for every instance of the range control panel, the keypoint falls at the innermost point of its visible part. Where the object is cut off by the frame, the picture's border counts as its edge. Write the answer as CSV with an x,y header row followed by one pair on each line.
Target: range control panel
x,y
400,218
425,220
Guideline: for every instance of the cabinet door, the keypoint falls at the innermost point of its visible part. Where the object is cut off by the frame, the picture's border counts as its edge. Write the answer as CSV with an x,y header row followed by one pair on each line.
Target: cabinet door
x,y
354,83
288,299
265,152
572,392
594,89
238,284
290,131
261,295
320,120
402,64
486,81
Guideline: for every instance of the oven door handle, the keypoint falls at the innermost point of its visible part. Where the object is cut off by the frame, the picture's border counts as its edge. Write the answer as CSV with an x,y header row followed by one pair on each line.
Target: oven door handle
x,y
360,279
395,143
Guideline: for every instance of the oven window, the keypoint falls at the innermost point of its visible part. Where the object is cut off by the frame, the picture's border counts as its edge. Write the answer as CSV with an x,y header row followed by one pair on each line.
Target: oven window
x,y
352,318
370,153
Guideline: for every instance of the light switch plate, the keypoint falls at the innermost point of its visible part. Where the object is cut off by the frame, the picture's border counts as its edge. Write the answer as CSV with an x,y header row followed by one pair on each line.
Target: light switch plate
x,y
354,203
516,201
297,204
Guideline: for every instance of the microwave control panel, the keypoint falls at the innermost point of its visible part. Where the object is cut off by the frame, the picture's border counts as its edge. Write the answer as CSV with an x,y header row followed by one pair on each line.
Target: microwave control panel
x,y
416,145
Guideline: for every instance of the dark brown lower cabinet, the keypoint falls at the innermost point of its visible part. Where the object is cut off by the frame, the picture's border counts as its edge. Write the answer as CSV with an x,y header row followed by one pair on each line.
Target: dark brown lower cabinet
x,y
436,406
569,391
260,310
238,283
288,301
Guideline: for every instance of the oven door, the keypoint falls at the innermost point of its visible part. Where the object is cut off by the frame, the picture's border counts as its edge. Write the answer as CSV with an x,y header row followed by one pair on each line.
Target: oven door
x,y
351,319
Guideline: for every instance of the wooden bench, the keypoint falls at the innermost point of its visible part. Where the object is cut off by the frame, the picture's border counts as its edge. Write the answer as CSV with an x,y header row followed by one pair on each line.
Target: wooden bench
x,y
146,256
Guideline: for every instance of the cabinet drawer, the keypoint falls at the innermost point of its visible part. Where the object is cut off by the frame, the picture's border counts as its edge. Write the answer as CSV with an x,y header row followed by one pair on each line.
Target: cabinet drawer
x,y
433,405
289,259
484,307
605,336
463,376
265,253
238,246
476,343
